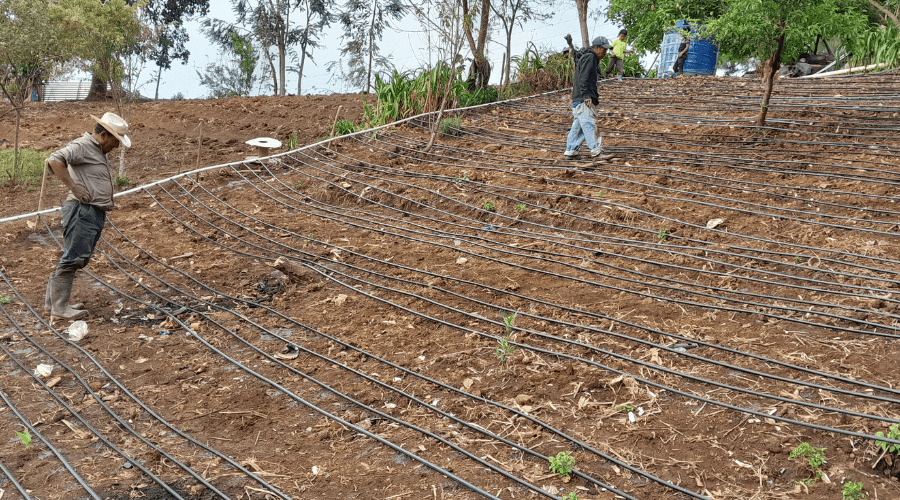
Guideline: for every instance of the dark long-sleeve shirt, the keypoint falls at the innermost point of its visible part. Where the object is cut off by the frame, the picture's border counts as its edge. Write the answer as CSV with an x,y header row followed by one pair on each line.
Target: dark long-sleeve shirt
x,y
584,88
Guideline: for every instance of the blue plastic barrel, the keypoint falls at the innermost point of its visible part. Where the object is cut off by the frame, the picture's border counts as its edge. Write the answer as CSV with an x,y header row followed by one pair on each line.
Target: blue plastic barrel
x,y
702,56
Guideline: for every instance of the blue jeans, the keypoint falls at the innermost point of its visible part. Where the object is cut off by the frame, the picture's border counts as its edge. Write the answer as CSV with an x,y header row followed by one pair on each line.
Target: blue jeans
x,y
82,225
584,128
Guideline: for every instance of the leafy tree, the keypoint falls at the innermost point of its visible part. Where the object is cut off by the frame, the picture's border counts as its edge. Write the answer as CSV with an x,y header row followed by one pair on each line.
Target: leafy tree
x,y
772,31
268,23
775,31
236,76
30,45
166,19
364,22
650,20
317,15
512,13
99,34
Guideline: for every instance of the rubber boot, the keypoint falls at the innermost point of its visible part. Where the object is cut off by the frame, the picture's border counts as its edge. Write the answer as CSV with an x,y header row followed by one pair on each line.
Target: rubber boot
x,y
60,290
47,305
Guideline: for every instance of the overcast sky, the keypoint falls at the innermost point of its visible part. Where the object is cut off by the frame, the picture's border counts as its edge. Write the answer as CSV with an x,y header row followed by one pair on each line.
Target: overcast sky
x,y
405,46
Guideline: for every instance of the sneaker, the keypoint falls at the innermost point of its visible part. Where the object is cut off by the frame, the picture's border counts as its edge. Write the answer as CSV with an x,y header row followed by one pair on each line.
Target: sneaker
x,y
596,152
570,154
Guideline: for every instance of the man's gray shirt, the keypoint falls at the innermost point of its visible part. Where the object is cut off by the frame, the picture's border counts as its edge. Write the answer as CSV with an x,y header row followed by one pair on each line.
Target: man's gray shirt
x,y
88,165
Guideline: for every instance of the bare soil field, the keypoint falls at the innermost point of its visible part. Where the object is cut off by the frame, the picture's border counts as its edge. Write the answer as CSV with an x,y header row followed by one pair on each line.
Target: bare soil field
x,y
369,318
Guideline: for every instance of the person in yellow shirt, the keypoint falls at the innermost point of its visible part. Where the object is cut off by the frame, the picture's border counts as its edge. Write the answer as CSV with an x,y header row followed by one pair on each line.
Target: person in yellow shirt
x,y
617,55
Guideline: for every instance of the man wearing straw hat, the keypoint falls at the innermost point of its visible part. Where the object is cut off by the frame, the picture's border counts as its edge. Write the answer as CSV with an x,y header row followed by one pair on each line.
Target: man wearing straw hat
x,y
83,167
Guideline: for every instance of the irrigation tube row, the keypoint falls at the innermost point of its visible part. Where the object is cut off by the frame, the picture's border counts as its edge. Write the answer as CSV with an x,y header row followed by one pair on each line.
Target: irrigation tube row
x,y
567,235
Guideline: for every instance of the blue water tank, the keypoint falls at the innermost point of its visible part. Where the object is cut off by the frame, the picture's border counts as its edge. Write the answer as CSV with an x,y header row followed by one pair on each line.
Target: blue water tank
x,y
702,56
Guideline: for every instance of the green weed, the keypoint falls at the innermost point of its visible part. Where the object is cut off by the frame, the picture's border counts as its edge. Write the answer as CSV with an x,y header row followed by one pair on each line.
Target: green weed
x,y
451,126
4,299
814,457
853,491
25,437
344,127
893,433
625,408
562,463
662,235
489,206
521,208
457,180
570,496
27,168
122,181
292,141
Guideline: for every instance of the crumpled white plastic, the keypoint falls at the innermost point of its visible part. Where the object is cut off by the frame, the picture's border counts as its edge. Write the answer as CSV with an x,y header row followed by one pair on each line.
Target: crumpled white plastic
x,y
77,330
43,370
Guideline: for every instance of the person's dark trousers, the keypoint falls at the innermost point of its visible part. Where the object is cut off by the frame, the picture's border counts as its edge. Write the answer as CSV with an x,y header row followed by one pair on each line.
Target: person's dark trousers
x,y
82,225
678,68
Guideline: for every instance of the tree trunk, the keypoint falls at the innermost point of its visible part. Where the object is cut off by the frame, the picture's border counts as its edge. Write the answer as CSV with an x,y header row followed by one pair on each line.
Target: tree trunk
x,y
771,68
98,89
158,78
582,7
371,46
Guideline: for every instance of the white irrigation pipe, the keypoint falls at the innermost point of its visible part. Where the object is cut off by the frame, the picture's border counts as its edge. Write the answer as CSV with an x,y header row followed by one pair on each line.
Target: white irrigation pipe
x,y
846,70
309,146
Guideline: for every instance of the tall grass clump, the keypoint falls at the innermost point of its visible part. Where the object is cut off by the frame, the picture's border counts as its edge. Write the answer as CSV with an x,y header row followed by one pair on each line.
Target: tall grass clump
x,y
536,72
880,45
26,169
407,94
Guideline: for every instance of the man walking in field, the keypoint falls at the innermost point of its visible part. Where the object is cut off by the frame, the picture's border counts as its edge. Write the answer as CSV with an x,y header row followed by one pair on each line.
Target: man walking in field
x,y
83,167
584,97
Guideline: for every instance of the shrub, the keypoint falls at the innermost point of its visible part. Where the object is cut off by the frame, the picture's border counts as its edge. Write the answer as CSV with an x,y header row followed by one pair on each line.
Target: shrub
x,y
537,73
480,96
451,126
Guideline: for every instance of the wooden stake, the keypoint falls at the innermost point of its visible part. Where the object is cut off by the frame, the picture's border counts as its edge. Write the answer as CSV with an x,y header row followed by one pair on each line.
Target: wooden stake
x,y
199,145
41,196
334,124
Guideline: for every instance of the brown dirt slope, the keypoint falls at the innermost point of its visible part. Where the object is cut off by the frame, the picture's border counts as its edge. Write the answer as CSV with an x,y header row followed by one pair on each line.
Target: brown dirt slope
x,y
370,319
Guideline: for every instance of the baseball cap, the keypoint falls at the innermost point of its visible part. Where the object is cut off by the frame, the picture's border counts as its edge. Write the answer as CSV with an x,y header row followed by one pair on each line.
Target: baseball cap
x,y
600,41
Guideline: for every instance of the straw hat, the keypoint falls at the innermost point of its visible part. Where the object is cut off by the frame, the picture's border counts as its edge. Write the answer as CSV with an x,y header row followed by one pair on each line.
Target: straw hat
x,y
115,125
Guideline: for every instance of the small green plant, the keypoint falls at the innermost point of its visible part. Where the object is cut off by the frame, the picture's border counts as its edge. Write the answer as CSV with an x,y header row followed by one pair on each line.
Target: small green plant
x,y
625,408
122,181
570,496
344,127
508,319
505,349
853,491
814,457
292,141
451,126
25,437
893,433
662,235
599,194
457,180
4,299
521,208
299,185
562,463
489,206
